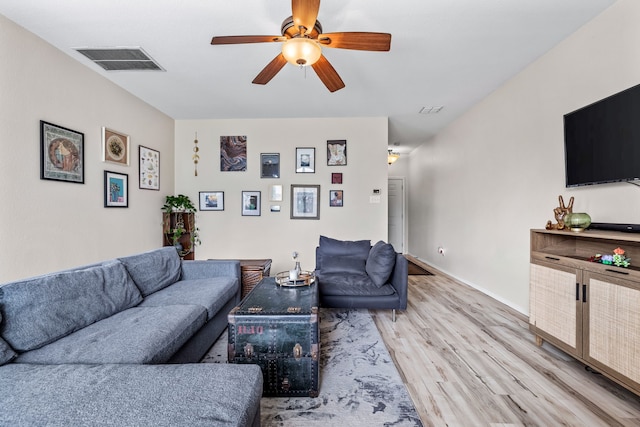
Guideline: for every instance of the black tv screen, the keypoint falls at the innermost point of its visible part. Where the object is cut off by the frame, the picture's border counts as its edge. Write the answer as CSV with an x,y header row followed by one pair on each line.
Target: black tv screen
x,y
602,140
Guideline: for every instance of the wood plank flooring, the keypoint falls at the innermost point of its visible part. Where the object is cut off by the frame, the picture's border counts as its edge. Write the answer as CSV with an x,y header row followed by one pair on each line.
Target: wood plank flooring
x,y
468,360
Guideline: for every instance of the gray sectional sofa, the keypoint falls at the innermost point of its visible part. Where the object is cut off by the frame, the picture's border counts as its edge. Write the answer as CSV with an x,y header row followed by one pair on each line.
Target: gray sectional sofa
x,y
354,274
117,343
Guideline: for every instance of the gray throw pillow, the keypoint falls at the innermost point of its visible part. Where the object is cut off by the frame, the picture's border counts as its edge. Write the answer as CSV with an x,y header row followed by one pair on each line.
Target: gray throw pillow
x,y
380,263
343,265
333,247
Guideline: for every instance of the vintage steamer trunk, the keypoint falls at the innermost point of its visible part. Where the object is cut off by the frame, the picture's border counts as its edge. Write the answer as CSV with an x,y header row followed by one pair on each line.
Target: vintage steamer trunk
x,y
277,328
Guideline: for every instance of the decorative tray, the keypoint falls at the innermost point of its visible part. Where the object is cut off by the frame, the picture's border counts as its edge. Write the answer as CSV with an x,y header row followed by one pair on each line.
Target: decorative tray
x,y
305,278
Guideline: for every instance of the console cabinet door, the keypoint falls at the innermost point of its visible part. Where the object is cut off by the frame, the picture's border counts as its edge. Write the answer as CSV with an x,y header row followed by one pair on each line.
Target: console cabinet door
x,y
612,319
555,307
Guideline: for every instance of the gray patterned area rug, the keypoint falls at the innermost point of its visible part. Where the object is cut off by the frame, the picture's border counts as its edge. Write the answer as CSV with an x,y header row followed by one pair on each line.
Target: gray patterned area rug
x,y
359,384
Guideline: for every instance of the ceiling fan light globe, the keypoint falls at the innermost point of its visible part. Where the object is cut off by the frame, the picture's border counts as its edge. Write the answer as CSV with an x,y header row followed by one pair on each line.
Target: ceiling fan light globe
x,y
301,51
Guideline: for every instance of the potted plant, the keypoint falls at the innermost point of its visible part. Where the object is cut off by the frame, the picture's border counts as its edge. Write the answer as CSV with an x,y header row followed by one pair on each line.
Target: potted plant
x,y
179,220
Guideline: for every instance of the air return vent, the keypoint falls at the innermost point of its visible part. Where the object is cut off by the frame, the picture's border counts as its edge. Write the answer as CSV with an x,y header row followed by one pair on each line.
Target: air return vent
x,y
121,58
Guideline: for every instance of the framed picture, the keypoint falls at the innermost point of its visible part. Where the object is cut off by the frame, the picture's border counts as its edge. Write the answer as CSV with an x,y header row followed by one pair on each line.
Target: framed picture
x,y
233,153
276,193
116,190
337,152
61,153
305,160
211,200
270,165
336,178
115,147
250,203
335,198
149,174
305,201
275,208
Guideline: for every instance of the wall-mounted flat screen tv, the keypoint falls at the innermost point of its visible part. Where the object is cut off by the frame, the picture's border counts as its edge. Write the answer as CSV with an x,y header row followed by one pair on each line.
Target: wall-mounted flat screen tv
x,y
602,140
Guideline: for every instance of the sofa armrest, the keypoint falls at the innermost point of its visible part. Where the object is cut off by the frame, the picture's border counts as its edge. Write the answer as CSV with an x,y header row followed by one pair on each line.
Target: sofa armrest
x,y
400,279
201,269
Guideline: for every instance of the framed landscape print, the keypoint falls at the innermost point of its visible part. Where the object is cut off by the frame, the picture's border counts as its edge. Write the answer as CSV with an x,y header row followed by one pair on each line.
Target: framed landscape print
x,y
211,200
250,203
305,160
269,165
116,190
61,153
337,152
305,201
336,198
115,147
149,174
233,153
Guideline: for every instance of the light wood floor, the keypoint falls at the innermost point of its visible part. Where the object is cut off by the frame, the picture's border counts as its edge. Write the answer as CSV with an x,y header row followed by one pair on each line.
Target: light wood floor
x,y
469,360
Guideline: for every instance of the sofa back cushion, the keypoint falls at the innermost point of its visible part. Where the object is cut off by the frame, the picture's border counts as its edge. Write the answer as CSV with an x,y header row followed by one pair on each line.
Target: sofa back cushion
x,y
154,270
43,309
329,247
342,264
380,263
6,352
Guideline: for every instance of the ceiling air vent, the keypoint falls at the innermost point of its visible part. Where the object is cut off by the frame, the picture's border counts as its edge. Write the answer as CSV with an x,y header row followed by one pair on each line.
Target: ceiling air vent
x,y
121,58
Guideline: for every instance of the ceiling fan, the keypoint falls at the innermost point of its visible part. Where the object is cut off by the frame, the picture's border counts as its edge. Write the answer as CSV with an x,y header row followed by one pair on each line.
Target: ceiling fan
x,y
303,41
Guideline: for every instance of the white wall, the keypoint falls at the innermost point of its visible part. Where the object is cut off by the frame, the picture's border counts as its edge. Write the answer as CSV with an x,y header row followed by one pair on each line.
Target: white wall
x,y
49,225
228,234
481,184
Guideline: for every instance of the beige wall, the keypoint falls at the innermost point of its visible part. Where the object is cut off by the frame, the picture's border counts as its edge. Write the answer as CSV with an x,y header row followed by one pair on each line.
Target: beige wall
x,y
228,234
49,225
481,184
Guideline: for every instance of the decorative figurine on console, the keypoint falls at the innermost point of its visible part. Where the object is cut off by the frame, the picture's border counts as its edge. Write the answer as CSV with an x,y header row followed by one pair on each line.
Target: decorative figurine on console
x,y
560,213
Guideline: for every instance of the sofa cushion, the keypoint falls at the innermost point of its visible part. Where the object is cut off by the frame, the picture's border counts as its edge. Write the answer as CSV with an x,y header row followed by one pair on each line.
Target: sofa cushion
x,y
136,335
332,247
380,262
6,352
351,285
343,264
212,294
199,394
154,270
43,309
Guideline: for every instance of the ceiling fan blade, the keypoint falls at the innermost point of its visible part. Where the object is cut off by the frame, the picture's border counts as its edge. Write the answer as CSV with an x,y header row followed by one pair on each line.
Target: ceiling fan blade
x,y
328,74
246,39
305,13
357,41
270,70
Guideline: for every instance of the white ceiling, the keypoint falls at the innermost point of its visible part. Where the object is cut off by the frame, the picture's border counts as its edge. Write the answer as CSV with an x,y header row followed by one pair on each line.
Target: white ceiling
x,y
449,53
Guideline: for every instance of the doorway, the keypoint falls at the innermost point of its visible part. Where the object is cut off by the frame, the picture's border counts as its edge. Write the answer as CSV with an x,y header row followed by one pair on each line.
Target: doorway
x,y
396,214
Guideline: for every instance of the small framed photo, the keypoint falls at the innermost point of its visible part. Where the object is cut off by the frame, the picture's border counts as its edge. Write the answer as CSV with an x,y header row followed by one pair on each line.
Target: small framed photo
x,y
115,147
116,190
336,178
305,160
149,174
250,203
270,165
276,193
275,208
211,200
337,152
335,198
61,153
305,201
